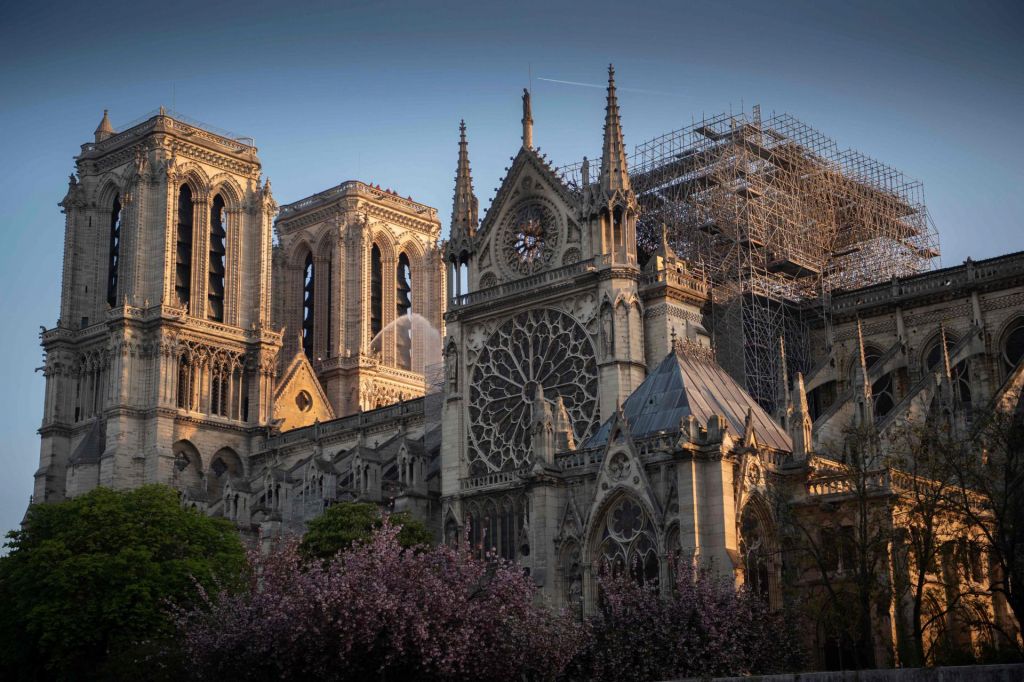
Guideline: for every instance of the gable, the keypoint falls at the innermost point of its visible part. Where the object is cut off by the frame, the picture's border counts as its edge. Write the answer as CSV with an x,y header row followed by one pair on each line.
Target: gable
x,y
529,182
299,399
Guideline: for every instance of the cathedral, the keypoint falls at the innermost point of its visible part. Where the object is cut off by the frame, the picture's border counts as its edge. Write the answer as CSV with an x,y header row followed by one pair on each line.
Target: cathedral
x,y
550,380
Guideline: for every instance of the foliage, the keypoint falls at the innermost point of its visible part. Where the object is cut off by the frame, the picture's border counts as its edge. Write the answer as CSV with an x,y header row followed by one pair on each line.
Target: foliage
x,y
378,611
704,627
86,582
345,523
989,480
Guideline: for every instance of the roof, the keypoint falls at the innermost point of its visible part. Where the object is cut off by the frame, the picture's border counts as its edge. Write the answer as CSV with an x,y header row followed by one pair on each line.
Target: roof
x,y
684,384
93,445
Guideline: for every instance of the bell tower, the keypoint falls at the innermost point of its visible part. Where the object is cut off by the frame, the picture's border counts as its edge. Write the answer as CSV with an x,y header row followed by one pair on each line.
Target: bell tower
x,y
160,367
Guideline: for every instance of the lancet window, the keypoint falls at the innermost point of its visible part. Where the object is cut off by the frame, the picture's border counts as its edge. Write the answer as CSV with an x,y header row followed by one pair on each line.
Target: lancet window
x,y
218,254
115,251
627,542
308,305
183,253
376,291
403,310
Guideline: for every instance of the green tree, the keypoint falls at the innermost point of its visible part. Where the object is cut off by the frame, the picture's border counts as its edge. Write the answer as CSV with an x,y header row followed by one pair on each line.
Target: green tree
x,y
89,584
347,522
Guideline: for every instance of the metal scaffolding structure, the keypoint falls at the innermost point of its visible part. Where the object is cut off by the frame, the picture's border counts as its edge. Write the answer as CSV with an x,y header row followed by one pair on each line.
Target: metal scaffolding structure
x,y
777,216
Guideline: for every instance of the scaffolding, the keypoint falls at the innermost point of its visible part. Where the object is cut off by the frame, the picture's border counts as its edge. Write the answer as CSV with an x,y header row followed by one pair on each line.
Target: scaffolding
x,y
777,216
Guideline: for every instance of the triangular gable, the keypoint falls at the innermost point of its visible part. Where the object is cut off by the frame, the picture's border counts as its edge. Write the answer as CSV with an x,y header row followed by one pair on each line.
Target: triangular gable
x,y
622,470
525,159
571,525
299,399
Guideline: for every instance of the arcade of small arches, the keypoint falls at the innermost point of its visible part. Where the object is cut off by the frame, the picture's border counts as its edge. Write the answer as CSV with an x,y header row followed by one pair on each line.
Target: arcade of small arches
x,y
193,475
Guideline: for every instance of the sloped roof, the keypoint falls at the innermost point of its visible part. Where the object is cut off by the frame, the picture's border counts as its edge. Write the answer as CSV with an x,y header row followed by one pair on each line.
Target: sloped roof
x,y
686,383
93,445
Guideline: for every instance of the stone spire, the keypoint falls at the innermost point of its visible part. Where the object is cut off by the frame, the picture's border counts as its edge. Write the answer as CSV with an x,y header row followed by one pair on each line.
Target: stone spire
x,y
543,428
864,399
527,121
104,129
785,405
614,174
465,216
800,428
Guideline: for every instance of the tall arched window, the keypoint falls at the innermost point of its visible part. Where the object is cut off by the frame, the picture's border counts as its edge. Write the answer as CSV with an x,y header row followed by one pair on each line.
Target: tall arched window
x,y
115,251
403,310
627,542
218,252
1013,344
376,291
185,383
183,258
308,305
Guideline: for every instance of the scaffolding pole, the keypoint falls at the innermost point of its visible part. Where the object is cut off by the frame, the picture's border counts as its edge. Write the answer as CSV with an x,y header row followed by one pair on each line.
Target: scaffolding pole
x,y
777,216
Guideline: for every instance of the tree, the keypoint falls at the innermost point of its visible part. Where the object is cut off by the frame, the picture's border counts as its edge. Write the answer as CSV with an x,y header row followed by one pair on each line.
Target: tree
x,y
379,611
932,545
86,582
345,523
989,476
846,551
703,626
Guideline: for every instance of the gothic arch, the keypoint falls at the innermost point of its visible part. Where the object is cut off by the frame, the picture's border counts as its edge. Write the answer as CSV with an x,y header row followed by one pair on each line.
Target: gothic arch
x,y
933,340
325,244
187,465
297,253
1008,334
224,465
759,550
226,186
623,532
384,240
109,189
197,180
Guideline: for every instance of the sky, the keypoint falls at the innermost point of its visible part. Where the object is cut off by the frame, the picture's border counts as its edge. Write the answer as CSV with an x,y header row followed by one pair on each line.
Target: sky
x,y
374,91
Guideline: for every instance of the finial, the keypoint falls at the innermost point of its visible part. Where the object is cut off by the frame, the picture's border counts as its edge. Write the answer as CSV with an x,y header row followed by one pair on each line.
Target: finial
x,y
104,129
527,120
611,74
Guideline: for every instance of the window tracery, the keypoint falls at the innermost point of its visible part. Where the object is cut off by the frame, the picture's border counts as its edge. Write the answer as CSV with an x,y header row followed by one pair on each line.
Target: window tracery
x,y
544,349
1012,347
628,541
530,237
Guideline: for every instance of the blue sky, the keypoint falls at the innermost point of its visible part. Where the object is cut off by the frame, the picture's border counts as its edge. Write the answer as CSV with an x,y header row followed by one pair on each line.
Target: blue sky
x,y
375,90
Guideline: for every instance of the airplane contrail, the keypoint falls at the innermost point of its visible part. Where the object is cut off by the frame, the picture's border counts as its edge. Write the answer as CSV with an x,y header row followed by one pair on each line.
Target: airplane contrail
x,y
602,87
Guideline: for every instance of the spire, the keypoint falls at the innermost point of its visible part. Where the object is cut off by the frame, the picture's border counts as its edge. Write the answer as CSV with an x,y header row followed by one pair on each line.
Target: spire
x,y
947,371
800,429
866,404
464,208
663,256
785,405
527,121
104,129
614,174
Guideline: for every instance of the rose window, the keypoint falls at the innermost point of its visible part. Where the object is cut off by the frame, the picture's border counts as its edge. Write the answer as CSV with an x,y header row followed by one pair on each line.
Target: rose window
x,y
536,350
530,237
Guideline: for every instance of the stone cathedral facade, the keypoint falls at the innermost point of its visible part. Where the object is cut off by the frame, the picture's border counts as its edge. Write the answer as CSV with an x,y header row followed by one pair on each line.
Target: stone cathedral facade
x,y
581,417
